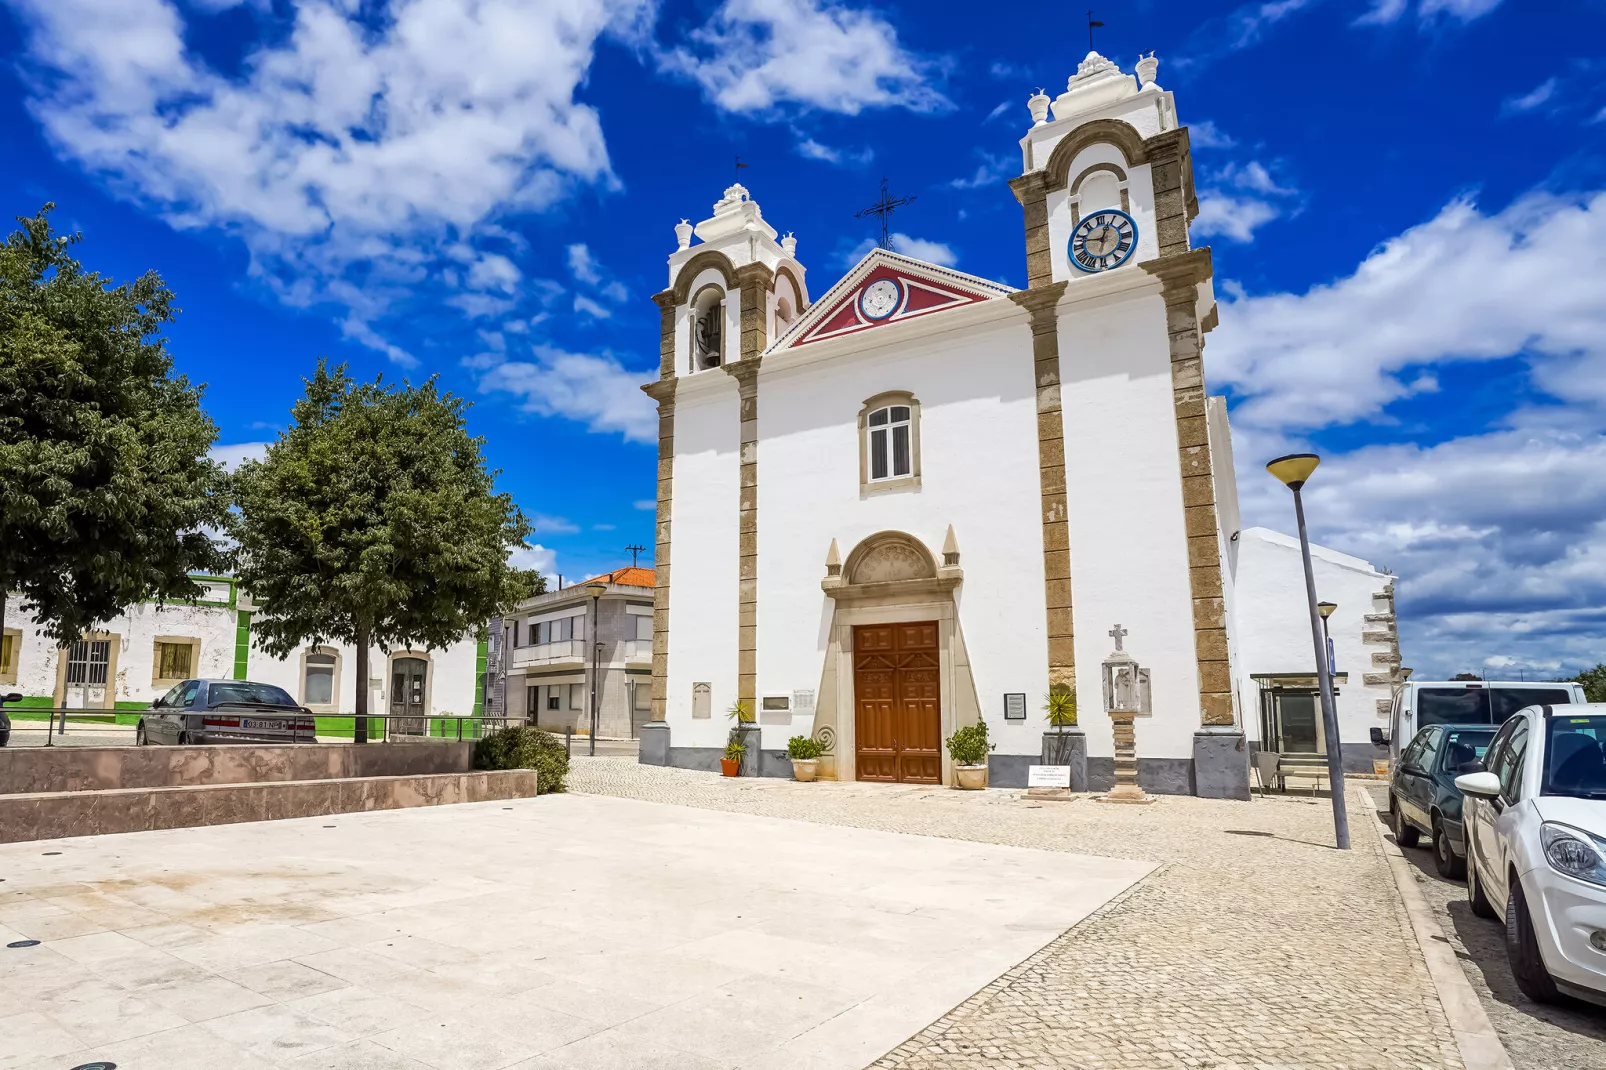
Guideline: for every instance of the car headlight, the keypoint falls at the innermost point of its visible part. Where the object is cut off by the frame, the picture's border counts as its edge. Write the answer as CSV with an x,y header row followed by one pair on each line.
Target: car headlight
x,y
1574,852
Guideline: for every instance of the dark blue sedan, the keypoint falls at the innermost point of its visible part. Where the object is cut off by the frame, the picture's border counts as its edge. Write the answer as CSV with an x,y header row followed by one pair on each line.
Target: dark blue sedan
x,y
225,711
1423,798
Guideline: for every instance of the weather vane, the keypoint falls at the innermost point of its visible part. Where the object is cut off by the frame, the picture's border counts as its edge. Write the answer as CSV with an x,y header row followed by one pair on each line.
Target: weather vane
x,y
884,208
1091,22
739,166
634,550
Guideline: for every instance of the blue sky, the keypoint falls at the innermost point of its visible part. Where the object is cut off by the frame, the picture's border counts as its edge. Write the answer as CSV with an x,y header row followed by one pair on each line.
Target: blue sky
x,y
1406,199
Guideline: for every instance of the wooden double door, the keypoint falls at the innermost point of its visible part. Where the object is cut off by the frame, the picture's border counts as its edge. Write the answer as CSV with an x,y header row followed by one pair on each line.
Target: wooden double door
x,y
897,727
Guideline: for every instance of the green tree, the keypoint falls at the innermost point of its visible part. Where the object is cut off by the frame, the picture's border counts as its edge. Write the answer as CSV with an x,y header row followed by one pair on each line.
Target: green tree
x,y
373,520
1594,681
107,488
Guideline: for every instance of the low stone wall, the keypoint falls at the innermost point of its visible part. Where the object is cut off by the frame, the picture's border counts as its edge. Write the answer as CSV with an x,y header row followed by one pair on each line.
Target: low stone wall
x,y
54,769
53,815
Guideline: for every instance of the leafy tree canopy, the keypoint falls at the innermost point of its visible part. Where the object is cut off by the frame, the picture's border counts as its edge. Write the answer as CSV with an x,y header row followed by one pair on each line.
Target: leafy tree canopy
x,y
106,485
1594,681
373,519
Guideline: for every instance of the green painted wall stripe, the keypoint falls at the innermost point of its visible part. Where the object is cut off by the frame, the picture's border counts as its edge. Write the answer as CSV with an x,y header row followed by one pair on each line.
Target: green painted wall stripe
x,y
482,658
242,644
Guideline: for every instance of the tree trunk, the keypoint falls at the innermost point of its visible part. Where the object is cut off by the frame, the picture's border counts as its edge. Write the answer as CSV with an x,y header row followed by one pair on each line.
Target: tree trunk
x,y
360,731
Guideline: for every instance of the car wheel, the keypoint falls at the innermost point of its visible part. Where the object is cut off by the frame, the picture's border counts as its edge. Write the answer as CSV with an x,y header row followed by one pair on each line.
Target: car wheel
x,y
1444,857
1405,833
183,739
1475,897
1522,949
139,735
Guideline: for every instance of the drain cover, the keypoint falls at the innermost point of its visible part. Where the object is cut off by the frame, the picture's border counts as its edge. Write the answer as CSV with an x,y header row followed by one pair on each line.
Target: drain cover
x,y
23,943
96,1066
49,853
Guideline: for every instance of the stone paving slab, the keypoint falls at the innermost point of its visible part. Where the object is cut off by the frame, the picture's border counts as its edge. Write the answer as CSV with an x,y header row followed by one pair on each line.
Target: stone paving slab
x,y
1256,944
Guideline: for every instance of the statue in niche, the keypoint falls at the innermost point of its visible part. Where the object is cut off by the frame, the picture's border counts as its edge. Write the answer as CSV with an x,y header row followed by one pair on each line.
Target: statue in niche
x,y
707,335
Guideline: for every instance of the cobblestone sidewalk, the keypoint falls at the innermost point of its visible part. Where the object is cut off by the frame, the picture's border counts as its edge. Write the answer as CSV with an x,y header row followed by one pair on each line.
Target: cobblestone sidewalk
x,y
1257,946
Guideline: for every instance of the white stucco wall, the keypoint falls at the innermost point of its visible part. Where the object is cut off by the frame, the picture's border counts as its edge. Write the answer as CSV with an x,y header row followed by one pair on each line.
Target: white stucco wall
x,y
1273,625
1129,554
978,472
450,687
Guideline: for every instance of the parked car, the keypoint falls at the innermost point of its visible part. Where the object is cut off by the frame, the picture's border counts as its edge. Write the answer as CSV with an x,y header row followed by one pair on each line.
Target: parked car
x,y
1423,798
225,711
1536,847
5,718
1419,703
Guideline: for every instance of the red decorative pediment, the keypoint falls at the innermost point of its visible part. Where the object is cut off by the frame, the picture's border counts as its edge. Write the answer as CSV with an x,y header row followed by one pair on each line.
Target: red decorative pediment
x,y
886,288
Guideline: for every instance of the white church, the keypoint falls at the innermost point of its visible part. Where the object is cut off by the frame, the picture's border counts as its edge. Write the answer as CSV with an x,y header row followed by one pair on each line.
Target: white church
x,y
922,498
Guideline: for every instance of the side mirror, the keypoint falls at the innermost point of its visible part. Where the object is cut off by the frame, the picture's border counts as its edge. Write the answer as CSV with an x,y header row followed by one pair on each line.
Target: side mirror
x,y
15,696
1484,785
1474,766
1379,738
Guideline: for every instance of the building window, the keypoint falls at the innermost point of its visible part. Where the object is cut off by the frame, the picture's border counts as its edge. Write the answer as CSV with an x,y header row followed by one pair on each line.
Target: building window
x,y
644,628
86,662
554,697
10,642
642,697
318,680
532,701
889,441
577,696
175,659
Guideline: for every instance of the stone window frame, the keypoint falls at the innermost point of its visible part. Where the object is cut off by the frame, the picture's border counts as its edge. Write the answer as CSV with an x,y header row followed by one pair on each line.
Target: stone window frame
x,y
867,486
191,641
1075,190
333,705
113,655
8,674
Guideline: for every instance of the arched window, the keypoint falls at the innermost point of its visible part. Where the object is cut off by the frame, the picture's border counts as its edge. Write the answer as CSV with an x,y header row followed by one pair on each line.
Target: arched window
x,y
889,441
708,329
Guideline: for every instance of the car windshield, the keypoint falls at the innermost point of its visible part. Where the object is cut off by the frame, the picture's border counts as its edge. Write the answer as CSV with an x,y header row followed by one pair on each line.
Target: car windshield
x,y
245,691
1574,762
1463,745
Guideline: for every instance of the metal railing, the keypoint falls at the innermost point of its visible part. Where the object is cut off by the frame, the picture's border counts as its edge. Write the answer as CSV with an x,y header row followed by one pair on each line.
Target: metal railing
x,y
59,726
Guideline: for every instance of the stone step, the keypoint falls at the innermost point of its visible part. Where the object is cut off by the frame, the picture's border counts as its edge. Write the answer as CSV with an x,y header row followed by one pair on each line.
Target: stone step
x,y
56,814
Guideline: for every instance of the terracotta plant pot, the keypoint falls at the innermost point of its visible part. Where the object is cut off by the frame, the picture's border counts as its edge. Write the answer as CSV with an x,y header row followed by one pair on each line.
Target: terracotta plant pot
x,y
971,777
804,769
730,766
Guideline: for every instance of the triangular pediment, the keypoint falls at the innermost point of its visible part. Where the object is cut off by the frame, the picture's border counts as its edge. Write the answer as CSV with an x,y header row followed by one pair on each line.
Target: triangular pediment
x,y
882,289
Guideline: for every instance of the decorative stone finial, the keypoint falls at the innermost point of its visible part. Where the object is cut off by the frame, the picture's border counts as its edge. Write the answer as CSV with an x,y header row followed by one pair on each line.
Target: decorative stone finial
x,y
950,549
735,193
789,245
683,231
1093,63
1039,107
1147,67
833,560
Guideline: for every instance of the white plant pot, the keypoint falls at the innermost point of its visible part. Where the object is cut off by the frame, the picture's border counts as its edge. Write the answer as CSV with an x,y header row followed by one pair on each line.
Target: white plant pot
x,y
805,769
971,777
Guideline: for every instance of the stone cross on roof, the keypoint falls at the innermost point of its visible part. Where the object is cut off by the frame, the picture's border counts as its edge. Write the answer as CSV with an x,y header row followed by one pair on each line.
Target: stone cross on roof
x,y
1116,633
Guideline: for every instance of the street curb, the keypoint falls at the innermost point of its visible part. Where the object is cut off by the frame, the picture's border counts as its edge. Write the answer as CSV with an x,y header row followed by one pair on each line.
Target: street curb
x,y
1475,1036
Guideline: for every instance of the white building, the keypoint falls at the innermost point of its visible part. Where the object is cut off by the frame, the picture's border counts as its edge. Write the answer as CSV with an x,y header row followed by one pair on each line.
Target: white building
x,y
884,512
137,656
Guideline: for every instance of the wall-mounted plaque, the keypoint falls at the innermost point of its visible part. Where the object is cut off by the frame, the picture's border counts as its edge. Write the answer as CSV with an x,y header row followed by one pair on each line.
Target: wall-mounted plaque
x,y
1015,707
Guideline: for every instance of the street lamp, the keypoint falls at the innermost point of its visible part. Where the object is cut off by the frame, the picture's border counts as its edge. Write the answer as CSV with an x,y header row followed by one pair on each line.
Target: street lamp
x,y
596,590
1326,610
1294,470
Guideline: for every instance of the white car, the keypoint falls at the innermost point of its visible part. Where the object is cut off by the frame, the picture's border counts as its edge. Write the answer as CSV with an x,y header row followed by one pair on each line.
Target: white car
x,y
1535,826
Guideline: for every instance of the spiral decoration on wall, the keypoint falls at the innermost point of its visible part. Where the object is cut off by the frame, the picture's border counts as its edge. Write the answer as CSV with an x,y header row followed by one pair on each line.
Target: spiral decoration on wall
x,y
826,734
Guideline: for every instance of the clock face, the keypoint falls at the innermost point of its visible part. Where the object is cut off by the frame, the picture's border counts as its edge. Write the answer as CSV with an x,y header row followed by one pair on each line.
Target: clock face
x,y
880,299
1103,240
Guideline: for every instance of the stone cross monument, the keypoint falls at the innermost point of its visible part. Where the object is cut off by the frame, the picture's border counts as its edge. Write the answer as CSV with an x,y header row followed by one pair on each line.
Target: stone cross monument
x,y
1124,694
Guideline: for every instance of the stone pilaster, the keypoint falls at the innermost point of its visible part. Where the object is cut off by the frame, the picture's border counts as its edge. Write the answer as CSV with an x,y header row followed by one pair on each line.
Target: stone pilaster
x,y
754,282
1040,304
1180,275
1031,190
663,392
1171,167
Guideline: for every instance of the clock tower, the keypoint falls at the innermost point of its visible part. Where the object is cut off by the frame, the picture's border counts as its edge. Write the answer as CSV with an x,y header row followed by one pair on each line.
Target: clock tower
x,y
1119,303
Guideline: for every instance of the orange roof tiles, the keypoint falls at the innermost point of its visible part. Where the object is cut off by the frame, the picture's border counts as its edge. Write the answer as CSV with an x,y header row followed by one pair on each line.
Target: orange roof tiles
x,y
629,576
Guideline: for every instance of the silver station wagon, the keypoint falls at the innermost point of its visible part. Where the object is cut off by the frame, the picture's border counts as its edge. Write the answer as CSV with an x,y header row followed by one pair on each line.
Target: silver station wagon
x,y
225,711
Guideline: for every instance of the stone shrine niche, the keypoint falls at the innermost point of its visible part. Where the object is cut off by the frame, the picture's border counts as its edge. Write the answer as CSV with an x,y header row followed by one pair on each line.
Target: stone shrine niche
x,y
889,557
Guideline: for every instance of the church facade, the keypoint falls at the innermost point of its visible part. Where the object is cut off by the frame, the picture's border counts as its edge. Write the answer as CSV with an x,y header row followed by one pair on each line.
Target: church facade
x,y
921,499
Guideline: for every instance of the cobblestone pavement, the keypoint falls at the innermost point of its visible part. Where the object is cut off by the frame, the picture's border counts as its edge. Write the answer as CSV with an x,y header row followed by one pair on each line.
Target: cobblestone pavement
x,y
1567,1036
1256,946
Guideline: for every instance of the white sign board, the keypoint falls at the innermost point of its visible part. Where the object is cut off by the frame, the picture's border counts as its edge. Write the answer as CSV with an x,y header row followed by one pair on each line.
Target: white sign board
x,y
1048,776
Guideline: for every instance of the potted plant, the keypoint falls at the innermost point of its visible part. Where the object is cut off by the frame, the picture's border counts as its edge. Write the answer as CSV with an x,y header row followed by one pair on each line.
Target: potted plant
x,y
968,748
805,753
741,711
731,763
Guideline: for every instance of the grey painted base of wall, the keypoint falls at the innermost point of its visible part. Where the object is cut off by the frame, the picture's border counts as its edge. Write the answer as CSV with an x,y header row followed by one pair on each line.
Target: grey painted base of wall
x,y
1009,770
1220,765
1158,776
1067,746
770,763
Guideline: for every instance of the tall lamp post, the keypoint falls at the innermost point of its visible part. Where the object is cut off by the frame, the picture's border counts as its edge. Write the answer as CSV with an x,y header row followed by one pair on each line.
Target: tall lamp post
x,y
1294,470
1326,610
596,591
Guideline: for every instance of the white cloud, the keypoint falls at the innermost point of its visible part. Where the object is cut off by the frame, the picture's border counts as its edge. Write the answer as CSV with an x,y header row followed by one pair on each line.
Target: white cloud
x,y
933,252
1462,286
1207,135
646,504
758,55
552,525
583,266
593,389
1231,217
586,305
810,149
350,151
991,169
1384,12
1002,107
231,456
536,558
1252,176
1534,98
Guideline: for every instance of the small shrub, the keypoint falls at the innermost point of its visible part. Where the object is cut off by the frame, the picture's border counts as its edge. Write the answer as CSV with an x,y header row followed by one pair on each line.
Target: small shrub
x,y
525,747
969,745
735,749
741,711
1060,705
804,747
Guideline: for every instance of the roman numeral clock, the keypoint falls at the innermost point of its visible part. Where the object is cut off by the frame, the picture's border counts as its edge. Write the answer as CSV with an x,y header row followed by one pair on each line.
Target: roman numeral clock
x,y
1103,240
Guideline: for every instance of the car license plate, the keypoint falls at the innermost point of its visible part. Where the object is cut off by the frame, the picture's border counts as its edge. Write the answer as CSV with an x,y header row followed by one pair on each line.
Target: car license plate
x,y
258,723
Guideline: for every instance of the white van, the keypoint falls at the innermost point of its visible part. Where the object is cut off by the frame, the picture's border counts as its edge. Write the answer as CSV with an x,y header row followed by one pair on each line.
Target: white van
x,y
1419,703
